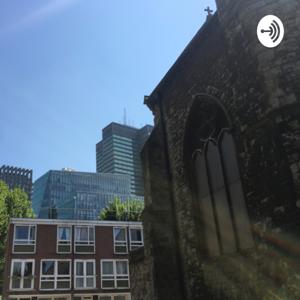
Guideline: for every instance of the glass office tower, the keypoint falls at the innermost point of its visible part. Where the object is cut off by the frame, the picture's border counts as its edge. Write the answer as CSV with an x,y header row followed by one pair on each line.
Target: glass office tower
x,y
77,195
119,153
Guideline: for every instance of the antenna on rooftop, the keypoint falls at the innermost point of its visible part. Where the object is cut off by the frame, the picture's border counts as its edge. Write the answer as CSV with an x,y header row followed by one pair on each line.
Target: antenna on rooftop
x,y
125,117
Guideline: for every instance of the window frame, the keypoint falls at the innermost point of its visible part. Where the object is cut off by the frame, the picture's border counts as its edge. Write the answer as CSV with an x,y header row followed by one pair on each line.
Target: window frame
x,y
19,297
120,243
216,161
58,240
23,261
53,296
55,275
114,295
136,244
115,275
28,239
88,243
84,276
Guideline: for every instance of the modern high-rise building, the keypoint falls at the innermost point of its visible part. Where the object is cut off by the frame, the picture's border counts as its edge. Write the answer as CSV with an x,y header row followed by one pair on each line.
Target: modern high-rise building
x,y
17,177
119,153
77,195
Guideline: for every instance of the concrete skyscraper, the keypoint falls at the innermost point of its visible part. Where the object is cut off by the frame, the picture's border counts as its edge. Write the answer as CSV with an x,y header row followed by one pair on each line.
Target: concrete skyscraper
x,y
119,153
17,177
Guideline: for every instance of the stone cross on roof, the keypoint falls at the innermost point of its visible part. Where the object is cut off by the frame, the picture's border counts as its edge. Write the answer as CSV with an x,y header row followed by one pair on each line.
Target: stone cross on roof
x,y
209,11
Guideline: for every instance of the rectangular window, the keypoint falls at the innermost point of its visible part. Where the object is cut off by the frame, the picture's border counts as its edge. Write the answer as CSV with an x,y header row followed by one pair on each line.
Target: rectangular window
x,y
84,298
49,297
120,297
22,274
120,240
114,297
19,298
55,274
64,239
136,237
85,274
114,274
24,239
84,239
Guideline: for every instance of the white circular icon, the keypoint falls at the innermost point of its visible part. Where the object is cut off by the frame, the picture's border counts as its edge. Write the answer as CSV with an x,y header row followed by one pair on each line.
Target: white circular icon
x,y
270,31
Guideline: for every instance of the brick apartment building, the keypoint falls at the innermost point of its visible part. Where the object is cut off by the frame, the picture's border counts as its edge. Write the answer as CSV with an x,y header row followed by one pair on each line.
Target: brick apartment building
x,y
66,260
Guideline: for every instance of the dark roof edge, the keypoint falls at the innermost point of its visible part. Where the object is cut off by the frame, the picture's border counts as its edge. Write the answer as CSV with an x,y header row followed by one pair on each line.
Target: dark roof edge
x,y
152,99
125,125
119,124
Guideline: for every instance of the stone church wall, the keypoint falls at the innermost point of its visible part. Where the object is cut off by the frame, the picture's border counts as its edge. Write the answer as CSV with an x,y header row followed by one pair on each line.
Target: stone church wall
x,y
141,269
260,91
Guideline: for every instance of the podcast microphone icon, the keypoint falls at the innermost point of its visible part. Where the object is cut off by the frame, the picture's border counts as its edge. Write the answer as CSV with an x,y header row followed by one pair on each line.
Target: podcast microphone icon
x,y
275,30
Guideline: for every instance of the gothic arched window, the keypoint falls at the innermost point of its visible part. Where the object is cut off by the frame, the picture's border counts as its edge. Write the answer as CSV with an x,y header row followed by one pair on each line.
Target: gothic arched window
x,y
219,193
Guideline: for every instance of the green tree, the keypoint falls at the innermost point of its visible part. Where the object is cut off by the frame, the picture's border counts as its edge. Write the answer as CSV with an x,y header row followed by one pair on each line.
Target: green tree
x,y
117,210
14,203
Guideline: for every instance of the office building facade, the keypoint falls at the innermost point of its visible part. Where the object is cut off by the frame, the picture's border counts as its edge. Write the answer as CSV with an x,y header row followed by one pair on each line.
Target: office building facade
x,y
17,177
119,153
65,260
77,195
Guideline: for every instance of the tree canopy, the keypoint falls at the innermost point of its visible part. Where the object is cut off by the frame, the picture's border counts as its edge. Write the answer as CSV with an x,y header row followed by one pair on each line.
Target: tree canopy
x,y
14,203
117,210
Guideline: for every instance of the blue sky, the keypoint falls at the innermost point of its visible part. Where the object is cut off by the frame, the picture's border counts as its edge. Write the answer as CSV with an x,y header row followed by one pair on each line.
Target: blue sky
x,y
70,67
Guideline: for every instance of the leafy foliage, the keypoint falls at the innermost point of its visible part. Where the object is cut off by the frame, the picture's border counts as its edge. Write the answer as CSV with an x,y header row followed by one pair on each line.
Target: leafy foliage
x,y
13,204
116,210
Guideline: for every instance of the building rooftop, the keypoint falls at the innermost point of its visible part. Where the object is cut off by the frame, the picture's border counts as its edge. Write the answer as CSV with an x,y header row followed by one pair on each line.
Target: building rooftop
x,y
72,222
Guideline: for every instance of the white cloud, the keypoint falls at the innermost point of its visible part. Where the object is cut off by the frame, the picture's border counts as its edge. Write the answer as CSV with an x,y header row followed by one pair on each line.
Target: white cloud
x,y
38,15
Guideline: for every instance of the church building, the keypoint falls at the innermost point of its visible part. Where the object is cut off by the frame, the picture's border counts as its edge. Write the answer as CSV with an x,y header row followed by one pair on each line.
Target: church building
x,y
222,165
